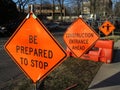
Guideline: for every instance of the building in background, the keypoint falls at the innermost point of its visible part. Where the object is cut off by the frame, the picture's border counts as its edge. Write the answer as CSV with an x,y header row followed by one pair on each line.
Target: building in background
x,y
48,10
86,9
94,9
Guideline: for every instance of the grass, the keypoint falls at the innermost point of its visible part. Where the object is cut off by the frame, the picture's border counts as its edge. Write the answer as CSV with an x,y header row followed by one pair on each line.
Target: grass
x,y
72,73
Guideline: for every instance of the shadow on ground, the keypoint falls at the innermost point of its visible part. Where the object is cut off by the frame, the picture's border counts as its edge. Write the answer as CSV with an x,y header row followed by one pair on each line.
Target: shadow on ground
x,y
116,56
111,81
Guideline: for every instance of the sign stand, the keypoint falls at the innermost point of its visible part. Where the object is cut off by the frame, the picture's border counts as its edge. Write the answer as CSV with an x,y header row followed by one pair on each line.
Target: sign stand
x,y
35,86
41,85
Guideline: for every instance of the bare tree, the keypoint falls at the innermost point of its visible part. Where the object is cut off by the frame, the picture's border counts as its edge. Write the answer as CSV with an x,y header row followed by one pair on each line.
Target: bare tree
x,y
78,6
117,9
41,4
21,4
61,5
93,6
53,9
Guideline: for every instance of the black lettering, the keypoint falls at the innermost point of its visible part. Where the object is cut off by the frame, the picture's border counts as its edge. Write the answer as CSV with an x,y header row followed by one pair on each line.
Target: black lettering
x,y
50,54
79,35
22,49
39,64
24,61
34,51
78,47
26,50
32,63
45,54
30,39
17,48
21,60
77,41
33,39
45,65
30,50
40,52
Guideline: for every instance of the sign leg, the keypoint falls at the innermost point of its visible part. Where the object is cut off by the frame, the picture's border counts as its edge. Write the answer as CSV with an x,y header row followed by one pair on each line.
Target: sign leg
x,y
35,86
41,85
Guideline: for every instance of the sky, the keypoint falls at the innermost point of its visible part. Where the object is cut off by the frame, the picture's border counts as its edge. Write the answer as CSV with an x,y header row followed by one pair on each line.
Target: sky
x,y
114,1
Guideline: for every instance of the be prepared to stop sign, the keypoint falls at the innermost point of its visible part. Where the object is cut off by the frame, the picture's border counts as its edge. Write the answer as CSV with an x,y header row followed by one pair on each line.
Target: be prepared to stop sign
x,y
35,52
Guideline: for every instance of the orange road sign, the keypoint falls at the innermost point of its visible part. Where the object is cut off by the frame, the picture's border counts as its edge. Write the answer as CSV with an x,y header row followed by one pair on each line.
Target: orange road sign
x,y
107,27
79,37
34,49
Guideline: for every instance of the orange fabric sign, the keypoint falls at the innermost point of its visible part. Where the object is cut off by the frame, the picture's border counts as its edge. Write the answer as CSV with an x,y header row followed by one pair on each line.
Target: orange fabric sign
x,y
107,27
34,49
79,37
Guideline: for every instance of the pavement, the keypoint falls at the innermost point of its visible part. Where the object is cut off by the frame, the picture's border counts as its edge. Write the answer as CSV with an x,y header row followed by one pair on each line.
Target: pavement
x,y
108,76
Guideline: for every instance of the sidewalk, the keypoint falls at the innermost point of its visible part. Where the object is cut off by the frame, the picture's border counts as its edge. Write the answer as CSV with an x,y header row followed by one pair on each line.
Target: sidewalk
x,y
108,76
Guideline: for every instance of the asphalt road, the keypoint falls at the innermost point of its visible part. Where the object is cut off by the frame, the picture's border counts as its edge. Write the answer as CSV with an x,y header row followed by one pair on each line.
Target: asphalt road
x,y
8,69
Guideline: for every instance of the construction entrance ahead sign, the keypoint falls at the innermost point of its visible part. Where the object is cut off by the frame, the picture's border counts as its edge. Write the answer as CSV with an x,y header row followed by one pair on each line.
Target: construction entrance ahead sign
x,y
79,37
34,49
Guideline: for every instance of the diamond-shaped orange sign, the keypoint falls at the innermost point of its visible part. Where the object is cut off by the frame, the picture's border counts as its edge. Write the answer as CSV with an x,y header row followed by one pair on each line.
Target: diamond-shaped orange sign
x,y
34,49
79,37
107,27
